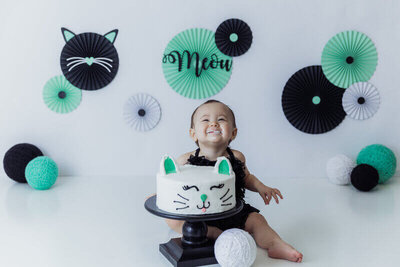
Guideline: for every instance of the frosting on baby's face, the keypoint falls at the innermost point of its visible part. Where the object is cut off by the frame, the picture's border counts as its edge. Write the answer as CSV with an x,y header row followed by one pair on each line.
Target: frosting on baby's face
x,y
213,124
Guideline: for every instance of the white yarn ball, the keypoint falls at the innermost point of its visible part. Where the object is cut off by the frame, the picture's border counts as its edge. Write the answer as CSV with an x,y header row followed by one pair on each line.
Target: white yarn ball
x,y
339,169
235,248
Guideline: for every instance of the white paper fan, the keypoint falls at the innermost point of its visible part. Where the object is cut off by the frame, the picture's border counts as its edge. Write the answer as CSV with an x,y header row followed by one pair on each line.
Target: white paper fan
x,y
142,112
361,100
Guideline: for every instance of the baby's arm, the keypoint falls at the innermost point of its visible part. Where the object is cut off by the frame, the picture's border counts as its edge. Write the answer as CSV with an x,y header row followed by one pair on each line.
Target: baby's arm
x,y
253,184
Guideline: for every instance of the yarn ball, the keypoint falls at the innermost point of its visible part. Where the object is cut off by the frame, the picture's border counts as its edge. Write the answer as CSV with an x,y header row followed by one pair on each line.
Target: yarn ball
x,y
339,169
16,159
364,177
41,173
235,248
381,158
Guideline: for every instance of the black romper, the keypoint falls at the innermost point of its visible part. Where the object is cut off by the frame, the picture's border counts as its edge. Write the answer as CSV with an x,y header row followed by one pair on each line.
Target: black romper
x,y
238,220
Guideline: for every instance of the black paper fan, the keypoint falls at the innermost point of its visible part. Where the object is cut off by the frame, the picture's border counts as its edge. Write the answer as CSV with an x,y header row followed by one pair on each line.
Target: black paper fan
x,y
311,103
233,37
89,60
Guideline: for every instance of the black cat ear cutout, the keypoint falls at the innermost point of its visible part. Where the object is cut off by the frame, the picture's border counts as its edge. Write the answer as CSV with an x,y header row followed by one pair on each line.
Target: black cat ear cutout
x,y
67,34
112,35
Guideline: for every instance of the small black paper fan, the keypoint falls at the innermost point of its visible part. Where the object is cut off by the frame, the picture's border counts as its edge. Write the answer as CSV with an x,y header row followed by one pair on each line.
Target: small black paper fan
x,y
311,103
89,60
233,37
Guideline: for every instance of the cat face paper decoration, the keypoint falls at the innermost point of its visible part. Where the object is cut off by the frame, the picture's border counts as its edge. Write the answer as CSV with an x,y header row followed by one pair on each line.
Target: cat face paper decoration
x,y
89,60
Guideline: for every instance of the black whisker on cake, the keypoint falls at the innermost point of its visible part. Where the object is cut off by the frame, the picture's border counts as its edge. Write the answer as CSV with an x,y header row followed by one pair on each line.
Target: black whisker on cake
x,y
182,208
224,194
175,201
228,198
228,204
183,197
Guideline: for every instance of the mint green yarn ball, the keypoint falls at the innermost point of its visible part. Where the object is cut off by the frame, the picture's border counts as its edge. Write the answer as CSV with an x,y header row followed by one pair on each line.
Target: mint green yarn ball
x,y
41,173
381,158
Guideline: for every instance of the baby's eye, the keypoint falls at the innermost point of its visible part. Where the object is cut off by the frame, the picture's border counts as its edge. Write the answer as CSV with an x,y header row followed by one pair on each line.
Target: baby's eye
x,y
221,119
205,120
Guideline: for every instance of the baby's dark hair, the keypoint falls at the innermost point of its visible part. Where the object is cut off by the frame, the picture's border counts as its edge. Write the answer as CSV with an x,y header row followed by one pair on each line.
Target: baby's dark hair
x,y
208,102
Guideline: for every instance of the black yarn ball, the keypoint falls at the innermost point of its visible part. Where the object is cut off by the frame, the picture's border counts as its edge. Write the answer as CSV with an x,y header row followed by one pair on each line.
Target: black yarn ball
x,y
16,159
364,177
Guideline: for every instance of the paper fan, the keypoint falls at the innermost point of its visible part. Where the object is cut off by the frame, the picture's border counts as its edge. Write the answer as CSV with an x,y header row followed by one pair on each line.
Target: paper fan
x,y
349,57
60,95
361,100
233,37
311,103
89,60
142,112
193,66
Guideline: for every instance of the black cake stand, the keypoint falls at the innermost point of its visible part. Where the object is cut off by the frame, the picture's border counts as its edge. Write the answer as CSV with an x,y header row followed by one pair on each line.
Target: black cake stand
x,y
193,249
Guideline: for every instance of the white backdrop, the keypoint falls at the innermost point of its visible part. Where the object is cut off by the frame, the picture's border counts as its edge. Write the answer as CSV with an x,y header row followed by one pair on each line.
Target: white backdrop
x,y
288,35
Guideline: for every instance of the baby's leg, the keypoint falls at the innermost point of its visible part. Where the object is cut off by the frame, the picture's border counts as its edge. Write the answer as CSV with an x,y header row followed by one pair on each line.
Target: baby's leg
x,y
268,239
212,233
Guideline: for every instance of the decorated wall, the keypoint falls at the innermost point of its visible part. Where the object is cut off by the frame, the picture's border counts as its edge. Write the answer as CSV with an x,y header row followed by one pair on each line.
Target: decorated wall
x,y
94,85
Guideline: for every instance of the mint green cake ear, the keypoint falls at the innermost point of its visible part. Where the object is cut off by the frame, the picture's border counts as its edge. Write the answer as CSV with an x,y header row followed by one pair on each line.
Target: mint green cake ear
x,y
169,166
112,35
224,167
67,34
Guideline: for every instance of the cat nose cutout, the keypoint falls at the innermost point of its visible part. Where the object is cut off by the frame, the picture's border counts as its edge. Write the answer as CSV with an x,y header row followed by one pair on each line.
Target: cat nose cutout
x,y
203,197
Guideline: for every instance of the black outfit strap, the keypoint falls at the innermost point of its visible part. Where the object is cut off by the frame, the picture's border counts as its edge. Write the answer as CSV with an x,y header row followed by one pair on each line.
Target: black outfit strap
x,y
228,149
197,152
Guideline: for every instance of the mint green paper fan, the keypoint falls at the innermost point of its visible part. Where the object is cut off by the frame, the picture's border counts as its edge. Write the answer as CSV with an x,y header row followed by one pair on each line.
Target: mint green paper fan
x,y
193,65
349,57
60,95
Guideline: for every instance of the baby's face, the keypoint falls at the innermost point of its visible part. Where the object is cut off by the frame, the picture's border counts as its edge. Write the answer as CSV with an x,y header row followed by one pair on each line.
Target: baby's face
x,y
213,124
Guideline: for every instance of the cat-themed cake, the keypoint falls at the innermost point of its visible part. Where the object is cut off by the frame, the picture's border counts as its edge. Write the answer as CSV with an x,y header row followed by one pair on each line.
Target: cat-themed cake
x,y
195,190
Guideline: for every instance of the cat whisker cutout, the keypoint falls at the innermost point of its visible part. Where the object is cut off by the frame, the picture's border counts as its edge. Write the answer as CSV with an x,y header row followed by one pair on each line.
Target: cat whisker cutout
x,y
224,194
83,62
180,202
183,197
182,208
101,64
104,58
75,61
227,198
71,58
228,204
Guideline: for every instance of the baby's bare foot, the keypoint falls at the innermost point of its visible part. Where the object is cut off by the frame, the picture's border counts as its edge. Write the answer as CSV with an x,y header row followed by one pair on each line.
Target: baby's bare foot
x,y
281,250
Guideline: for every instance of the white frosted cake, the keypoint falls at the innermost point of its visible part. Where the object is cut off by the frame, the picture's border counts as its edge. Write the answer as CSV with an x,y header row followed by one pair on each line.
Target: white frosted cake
x,y
196,190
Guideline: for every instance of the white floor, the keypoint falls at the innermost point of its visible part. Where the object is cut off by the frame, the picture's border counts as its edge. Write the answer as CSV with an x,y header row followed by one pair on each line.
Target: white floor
x,y
101,221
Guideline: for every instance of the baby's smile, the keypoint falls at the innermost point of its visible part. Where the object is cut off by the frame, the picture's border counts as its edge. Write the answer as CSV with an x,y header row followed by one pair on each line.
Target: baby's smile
x,y
211,131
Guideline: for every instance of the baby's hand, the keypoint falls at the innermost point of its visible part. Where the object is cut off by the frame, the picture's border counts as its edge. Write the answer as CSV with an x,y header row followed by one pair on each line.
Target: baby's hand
x,y
267,193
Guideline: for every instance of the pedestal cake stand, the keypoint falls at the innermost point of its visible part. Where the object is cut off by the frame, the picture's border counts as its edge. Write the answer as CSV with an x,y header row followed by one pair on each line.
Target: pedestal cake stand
x,y
193,249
